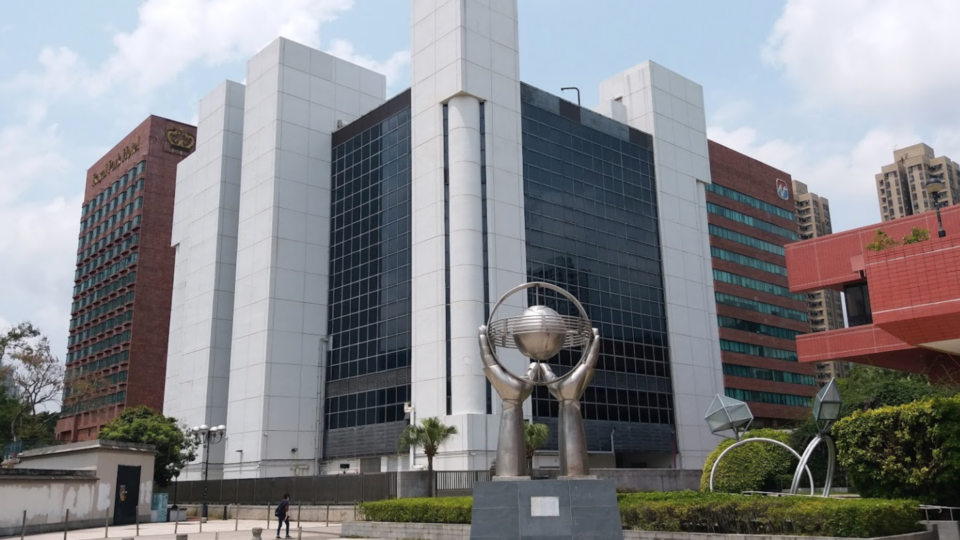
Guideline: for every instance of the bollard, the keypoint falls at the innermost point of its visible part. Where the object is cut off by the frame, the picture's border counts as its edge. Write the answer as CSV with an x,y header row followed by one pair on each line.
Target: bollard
x,y
299,532
176,521
224,512
268,516
106,524
65,522
236,519
257,531
328,514
216,536
201,523
23,528
136,518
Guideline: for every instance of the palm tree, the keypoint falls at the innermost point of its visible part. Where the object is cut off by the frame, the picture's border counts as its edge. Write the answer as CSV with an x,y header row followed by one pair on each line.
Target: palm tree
x,y
535,436
429,435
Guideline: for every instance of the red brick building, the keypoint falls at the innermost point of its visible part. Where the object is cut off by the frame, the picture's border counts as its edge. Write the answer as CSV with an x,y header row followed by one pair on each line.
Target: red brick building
x,y
120,315
903,302
750,212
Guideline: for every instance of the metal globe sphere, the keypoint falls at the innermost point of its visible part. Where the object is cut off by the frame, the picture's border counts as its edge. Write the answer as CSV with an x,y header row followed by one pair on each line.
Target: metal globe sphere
x,y
540,333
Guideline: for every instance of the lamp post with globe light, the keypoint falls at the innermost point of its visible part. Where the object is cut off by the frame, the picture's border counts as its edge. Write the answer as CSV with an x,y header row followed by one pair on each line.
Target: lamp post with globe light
x,y
206,435
934,187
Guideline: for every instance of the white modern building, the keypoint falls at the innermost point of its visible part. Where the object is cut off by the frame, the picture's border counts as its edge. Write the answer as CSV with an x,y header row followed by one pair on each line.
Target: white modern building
x,y
337,252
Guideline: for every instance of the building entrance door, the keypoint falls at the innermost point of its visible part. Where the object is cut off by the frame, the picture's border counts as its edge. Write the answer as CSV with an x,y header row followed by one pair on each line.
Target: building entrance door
x,y
128,493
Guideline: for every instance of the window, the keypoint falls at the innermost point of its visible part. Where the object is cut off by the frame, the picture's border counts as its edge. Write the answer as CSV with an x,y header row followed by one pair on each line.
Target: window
x,y
757,350
750,262
750,241
747,199
756,328
858,304
768,374
757,285
768,397
365,408
760,307
750,221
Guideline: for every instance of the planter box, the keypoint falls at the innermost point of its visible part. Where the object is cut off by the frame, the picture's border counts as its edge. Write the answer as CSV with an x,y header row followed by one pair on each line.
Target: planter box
x,y
444,531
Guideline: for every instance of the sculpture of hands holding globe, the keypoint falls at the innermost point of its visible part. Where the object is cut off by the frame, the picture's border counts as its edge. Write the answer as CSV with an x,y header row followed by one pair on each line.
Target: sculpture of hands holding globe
x,y
539,334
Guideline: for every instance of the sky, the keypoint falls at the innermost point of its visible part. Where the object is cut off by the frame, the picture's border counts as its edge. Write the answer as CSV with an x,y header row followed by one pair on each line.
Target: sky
x,y
822,89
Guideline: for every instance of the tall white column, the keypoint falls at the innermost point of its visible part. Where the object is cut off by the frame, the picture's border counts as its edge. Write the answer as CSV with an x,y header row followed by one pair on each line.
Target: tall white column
x,y
466,256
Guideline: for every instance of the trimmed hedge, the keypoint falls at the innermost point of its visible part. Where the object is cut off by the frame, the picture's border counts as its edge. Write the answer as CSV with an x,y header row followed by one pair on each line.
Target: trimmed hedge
x,y
751,467
438,510
911,450
689,511
737,514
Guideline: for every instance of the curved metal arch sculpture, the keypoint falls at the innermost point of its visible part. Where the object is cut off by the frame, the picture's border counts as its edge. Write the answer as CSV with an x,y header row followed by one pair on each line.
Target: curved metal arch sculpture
x,y
807,454
796,477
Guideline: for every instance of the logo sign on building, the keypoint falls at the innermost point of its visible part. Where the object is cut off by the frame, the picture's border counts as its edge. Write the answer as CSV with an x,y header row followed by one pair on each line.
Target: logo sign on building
x,y
783,190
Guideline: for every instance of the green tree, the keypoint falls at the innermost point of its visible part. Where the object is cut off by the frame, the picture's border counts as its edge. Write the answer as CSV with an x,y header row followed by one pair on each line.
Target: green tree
x,y
429,435
32,377
175,448
534,437
751,467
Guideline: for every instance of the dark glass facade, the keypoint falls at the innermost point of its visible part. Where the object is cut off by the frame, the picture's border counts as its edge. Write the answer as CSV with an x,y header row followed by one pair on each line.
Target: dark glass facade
x,y
368,368
591,228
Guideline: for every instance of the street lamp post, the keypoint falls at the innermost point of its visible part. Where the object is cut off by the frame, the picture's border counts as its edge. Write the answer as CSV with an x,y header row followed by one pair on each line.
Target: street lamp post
x,y
206,435
934,187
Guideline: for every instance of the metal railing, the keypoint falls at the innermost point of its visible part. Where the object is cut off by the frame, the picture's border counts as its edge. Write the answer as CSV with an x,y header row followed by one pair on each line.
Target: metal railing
x,y
458,483
940,512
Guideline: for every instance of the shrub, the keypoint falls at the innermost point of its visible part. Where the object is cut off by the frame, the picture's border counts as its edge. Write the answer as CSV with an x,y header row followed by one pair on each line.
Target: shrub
x,y
427,510
689,511
916,235
737,514
911,450
882,241
752,467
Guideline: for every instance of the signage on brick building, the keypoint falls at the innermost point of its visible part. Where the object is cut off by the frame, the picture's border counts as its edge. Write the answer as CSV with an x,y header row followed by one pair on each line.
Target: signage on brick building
x,y
783,191
180,139
112,165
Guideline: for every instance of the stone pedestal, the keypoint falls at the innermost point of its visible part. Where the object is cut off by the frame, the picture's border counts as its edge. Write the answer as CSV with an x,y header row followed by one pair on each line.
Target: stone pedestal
x,y
574,509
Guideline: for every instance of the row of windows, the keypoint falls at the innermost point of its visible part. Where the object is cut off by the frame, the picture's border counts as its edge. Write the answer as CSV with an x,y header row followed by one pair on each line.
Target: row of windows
x,y
108,307
106,273
98,365
102,292
93,404
768,397
761,307
106,240
109,207
747,199
749,262
755,284
109,224
107,256
114,187
97,329
591,217
751,221
96,384
768,374
740,238
108,343
756,328
369,312
365,408
757,350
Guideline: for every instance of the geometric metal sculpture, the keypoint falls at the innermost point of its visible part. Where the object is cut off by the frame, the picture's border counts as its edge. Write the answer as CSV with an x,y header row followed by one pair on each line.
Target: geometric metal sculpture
x,y
726,413
539,333
826,411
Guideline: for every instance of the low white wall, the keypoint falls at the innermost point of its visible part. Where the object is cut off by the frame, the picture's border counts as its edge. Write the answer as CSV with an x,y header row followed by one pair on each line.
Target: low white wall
x,y
46,499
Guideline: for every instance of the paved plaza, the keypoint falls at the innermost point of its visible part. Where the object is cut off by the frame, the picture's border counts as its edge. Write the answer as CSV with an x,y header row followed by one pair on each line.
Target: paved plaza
x,y
213,530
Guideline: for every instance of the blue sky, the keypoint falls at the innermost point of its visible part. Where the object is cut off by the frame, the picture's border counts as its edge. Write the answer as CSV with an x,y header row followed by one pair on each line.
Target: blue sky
x,y
823,89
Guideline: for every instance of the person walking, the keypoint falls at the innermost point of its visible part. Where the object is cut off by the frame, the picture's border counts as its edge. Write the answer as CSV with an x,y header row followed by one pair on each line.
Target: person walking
x,y
283,514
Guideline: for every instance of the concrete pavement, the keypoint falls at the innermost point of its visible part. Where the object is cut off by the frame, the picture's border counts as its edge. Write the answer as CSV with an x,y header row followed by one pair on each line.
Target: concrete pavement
x,y
212,530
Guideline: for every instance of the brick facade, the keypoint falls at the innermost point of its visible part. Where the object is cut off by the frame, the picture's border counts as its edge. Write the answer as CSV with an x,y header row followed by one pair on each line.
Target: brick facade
x,y
750,177
96,394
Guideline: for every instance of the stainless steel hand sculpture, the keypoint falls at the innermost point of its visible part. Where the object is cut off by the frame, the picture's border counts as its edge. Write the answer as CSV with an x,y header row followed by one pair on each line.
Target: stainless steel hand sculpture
x,y
511,446
568,391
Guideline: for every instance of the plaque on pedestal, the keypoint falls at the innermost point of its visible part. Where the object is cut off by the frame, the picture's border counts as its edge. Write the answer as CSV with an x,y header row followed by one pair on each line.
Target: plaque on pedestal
x,y
555,509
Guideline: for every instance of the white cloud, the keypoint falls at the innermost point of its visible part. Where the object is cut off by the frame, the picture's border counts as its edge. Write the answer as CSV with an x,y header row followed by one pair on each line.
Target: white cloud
x,y
29,153
38,247
392,68
892,59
